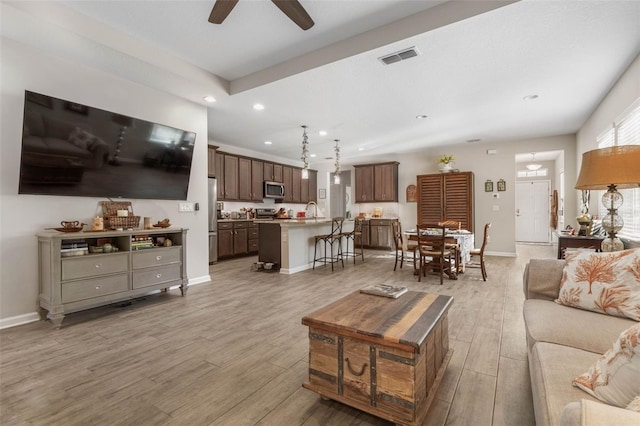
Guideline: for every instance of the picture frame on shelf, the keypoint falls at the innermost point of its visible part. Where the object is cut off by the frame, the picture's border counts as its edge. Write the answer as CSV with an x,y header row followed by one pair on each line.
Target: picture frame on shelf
x,y
488,186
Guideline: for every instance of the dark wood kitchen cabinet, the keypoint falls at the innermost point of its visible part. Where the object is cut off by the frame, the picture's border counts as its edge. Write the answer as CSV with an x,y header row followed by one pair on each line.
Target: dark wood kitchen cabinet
x,y
257,179
219,160
313,186
233,238
296,185
376,182
272,172
446,196
287,174
364,184
244,179
211,161
230,191
381,233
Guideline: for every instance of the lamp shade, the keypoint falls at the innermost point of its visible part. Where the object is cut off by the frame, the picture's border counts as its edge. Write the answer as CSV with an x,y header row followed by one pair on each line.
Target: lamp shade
x,y
618,165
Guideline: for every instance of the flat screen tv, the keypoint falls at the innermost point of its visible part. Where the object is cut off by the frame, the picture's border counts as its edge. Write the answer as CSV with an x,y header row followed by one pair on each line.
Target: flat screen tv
x,y
78,150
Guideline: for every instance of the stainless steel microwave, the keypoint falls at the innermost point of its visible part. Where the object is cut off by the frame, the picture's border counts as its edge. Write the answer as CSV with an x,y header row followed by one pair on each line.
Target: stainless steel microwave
x,y
273,189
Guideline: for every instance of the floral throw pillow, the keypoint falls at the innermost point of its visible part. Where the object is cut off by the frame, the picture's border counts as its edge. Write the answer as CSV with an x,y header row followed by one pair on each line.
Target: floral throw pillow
x,y
615,377
602,282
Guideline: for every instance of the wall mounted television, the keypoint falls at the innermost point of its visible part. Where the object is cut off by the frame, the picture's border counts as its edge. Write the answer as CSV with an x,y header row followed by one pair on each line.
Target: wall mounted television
x,y
73,149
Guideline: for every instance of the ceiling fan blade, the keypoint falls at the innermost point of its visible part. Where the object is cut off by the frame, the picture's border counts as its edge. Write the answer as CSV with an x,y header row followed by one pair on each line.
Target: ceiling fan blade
x,y
221,9
294,10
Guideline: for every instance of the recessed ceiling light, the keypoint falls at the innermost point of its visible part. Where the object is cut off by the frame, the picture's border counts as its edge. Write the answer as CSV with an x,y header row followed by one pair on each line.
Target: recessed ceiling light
x,y
268,142
209,98
258,107
312,155
322,133
361,149
530,97
421,116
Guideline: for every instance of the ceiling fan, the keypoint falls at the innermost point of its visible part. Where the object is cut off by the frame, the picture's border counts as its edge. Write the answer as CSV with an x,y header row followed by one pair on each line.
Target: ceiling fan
x,y
292,8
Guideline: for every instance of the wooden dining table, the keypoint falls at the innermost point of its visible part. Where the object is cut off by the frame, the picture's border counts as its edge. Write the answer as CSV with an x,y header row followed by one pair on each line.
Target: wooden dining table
x,y
465,240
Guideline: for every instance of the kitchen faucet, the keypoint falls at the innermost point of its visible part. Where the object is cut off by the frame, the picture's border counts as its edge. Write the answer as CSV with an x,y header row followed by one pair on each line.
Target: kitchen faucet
x,y
315,208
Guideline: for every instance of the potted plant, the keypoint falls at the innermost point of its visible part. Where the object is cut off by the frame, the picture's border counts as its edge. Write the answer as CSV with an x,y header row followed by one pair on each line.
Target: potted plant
x,y
446,162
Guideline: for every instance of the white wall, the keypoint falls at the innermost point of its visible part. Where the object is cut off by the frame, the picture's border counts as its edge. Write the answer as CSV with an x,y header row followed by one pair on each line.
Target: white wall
x,y
21,216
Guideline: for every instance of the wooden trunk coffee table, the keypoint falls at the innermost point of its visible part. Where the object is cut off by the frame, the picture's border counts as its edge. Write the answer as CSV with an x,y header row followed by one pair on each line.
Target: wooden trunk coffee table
x,y
380,355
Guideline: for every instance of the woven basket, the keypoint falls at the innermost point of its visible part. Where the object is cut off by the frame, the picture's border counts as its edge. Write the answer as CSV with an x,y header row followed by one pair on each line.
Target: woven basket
x,y
122,221
111,218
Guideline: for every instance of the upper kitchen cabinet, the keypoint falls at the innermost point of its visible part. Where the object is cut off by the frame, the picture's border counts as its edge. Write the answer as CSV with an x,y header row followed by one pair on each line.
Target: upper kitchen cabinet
x,y
272,172
376,182
446,196
219,169
296,186
287,174
244,179
313,186
257,179
231,190
211,160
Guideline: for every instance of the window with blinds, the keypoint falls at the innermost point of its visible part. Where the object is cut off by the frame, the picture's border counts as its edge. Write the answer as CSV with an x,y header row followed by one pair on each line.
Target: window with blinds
x,y
625,131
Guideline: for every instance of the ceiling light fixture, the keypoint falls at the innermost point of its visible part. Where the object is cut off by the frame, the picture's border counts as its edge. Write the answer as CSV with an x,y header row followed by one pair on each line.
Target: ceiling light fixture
x,y
336,173
322,133
533,166
313,155
421,116
305,153
258,107
268,142
209,99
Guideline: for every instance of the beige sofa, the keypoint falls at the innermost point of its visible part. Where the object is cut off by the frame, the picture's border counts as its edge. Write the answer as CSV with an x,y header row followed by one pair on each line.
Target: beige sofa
x,y
563,342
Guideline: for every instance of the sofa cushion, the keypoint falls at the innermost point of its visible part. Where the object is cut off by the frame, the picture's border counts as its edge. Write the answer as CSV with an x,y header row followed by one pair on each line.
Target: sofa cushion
x,y
602,282
541,278
615,377
635,404
552,367
547,321
585,412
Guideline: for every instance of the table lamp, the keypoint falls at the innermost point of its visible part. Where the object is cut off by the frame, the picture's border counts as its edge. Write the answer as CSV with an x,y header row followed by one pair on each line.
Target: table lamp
x,y
612,168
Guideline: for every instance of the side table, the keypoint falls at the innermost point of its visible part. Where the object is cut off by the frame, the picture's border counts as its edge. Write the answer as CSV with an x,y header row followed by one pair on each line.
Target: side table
x,y
576,241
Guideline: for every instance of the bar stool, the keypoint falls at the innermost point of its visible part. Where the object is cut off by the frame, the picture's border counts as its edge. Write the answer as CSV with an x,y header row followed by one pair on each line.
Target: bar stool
x,y
354,236
330,239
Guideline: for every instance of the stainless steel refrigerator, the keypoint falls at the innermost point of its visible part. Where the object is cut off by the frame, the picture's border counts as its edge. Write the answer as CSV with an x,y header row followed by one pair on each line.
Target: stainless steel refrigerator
x,y
213,221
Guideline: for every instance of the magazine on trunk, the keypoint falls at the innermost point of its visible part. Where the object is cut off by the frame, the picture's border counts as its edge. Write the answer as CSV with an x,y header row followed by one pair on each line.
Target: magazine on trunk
x,y
385,290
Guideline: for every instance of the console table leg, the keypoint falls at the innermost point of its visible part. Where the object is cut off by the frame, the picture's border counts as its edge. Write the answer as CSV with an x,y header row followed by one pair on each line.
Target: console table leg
x,y
56,320
183,289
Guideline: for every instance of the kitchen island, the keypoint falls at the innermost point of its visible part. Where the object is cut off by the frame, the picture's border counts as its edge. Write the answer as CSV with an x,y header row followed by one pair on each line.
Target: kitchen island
x,y
290,243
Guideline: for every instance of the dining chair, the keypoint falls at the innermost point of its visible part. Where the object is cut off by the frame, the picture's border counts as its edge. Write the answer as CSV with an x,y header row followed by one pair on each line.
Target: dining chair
x,y
452,243
432,241
328,240
399,240
479,252
355,236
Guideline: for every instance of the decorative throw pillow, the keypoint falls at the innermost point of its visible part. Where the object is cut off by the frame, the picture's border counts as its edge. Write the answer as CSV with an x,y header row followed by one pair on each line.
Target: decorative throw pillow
x,y
602,282
615,377
635,404
80,137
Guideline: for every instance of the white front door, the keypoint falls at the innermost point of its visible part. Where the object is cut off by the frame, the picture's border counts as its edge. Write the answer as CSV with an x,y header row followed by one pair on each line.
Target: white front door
x,y
532,211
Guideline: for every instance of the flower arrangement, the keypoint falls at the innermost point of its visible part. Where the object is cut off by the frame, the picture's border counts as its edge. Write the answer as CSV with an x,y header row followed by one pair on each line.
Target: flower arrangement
x,y
446,159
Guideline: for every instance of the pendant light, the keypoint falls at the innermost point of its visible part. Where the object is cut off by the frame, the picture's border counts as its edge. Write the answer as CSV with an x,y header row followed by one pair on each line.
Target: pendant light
x,y
533,166
305,153
336,173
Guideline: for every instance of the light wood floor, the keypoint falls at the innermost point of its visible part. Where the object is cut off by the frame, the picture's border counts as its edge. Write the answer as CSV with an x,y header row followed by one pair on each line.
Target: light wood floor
x,y
234,352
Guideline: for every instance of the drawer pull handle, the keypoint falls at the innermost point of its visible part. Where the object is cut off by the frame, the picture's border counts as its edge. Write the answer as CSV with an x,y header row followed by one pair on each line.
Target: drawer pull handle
x,y
158,275
354,372
158,257
98,287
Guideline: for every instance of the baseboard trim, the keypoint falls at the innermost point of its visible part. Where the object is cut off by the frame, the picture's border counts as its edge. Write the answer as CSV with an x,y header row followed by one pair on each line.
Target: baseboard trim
x,y
33,316
19,320
200,280
500,253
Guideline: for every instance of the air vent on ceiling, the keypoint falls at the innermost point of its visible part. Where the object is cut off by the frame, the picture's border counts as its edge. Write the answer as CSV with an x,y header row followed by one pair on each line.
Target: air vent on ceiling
x,y
411,52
